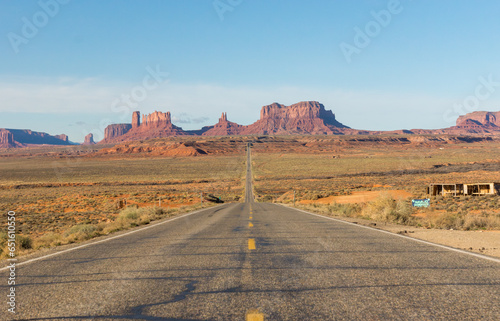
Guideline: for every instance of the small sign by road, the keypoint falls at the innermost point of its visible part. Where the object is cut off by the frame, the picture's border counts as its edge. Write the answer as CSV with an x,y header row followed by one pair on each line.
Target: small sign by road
x,y
426,202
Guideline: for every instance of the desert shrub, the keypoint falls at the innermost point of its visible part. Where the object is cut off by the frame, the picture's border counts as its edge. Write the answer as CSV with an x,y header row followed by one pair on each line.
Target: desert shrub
x,y
129,213
80,232
449,221
48,240
133,216
24,242
347,210
474,222
385,208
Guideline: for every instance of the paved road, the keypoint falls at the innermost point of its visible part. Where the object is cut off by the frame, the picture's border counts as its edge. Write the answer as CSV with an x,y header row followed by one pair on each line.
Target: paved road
x,y
304,267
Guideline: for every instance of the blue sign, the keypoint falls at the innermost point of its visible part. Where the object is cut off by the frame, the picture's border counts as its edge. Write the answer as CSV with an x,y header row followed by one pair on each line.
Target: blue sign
x,y
421,203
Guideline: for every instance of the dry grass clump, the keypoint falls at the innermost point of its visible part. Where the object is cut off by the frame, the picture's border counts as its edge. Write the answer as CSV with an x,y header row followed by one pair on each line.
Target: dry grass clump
x,y
465,221
80,232
347,210
386,209
23,243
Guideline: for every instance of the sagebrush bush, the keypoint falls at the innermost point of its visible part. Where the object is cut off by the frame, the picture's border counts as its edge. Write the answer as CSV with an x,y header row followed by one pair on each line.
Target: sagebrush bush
x,y
48,240
129,213
80,232
385,208
348,210
24,242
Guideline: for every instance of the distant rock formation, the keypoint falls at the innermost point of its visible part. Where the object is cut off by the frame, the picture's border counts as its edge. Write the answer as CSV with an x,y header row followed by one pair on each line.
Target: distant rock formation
x,y
115,130
136,119
63,137
154,125
89,139
24,137
307,117
7,139
478,122
304,118
476,119
223,128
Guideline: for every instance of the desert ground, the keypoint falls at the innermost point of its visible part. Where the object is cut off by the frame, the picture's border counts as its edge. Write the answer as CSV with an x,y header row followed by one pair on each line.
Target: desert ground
x,y
68,194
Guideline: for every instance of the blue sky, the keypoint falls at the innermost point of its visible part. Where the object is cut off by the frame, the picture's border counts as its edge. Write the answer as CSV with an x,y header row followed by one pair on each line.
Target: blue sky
x,y
419,64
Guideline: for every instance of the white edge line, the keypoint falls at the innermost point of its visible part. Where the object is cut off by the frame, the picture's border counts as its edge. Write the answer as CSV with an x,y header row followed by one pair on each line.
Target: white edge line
x,y
485,257
108,239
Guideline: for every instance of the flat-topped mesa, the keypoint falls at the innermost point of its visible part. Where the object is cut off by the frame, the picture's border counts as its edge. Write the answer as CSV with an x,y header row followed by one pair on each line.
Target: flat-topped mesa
x,y
305,110
307,117
479,119
26,137
115,130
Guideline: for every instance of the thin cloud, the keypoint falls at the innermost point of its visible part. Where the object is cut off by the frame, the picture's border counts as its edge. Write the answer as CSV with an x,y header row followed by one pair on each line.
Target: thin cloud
x,y
355,108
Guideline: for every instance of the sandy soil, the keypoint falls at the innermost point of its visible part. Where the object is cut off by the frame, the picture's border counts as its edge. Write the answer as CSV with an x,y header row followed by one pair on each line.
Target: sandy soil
x,y
484,242
358,197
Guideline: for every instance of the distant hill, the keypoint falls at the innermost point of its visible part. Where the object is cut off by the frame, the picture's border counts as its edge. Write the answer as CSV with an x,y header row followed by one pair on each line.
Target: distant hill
x,y
12,138
303,118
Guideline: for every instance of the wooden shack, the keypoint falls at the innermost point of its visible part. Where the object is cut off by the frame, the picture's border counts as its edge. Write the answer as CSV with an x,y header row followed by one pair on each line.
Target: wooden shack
x,y
476,189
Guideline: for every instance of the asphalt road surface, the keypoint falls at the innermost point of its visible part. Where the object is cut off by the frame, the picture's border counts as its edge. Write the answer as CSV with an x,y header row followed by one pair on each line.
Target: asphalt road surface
x,y
276,262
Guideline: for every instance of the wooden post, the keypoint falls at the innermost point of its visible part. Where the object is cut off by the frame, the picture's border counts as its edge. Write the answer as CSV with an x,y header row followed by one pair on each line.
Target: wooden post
x,y
201,198
159,201
293,198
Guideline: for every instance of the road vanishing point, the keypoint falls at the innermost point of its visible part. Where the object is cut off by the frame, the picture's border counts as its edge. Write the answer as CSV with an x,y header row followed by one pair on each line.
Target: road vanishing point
x,y
255,261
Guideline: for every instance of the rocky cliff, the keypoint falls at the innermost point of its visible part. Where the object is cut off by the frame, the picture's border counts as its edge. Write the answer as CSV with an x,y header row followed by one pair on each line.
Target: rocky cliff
x,y
154,125
479,118
7,139
24,137
307,117
116,130
89,139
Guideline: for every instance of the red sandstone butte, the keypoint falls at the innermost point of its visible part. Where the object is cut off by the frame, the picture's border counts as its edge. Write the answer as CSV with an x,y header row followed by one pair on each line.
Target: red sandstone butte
x,y
89,139
307,117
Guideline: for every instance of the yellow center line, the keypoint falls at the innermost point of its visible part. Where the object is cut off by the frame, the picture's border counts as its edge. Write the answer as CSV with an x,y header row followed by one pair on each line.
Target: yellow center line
x,y
254,315
250,217
251,244
250,224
